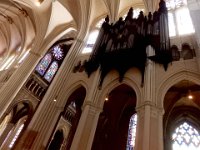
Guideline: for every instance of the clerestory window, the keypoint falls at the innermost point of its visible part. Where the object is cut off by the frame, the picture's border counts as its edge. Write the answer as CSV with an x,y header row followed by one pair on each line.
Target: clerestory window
x,y
180,22
49,64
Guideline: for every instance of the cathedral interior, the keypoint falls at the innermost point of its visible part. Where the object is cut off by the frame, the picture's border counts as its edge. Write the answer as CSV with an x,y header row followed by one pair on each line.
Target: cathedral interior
x,y
99,75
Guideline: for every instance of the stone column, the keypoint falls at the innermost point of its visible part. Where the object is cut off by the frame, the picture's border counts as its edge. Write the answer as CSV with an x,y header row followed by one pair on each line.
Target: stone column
x,y
16,81
86,128
194,8
149,135
45,117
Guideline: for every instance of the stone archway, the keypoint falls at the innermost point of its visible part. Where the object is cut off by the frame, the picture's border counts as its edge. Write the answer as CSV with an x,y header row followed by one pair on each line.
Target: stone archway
x,y
112,128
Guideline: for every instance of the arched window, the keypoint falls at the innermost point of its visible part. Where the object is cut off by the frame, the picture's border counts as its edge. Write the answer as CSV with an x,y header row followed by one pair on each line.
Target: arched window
x,y
185,137
131,133
51,71
180,22
90,42
49,65
44,64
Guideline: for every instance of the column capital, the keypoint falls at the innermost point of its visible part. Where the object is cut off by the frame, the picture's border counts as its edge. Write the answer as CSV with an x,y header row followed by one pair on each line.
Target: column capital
x,y
92,108
152,106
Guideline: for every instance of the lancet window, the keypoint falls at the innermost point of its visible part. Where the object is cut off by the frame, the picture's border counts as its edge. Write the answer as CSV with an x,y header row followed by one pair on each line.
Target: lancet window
x,y
131,133
49,64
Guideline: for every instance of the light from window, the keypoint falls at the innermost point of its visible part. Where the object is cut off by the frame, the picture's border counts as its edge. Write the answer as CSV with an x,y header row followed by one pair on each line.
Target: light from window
x,y
131,133
184,22
185,137
178,15
100,22
16,136
172,29
173,4
8,62
90,42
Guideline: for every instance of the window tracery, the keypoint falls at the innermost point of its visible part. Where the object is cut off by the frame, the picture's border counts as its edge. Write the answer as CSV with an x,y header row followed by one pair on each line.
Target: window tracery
x,y
49,65
44,64
185,137
51,71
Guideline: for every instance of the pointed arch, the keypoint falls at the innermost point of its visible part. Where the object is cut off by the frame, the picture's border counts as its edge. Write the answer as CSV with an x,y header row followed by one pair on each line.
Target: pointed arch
x,y
179,109
51,71
109,86
173,79
132,132
44,64
113,123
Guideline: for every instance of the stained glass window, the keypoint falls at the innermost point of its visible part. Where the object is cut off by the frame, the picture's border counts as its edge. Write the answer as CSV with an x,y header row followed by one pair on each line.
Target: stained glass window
x,y
131,133
57,52
185,137
51,71
43,65
184,22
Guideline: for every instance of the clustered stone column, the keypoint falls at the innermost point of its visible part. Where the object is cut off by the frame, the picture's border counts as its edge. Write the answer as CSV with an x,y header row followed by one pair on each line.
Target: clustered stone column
x,y
86,128
149,130
45,117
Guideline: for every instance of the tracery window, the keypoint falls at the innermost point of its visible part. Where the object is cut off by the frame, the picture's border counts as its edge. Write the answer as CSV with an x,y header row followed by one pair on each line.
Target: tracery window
x,y
185,137
180,22
131,133
43,65
49,65
51,71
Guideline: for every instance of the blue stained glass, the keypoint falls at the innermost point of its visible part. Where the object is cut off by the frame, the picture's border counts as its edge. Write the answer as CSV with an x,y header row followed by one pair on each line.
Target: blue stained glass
x,y
43,65
185,137
51,71
57,52
131,133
